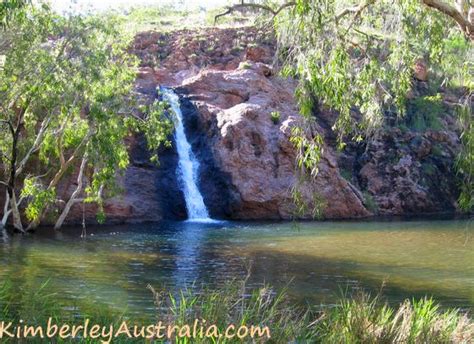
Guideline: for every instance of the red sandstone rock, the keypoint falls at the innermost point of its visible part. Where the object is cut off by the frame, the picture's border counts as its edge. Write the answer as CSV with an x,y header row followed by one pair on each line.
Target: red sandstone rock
x,y
399,170
256,153
257,54
420,70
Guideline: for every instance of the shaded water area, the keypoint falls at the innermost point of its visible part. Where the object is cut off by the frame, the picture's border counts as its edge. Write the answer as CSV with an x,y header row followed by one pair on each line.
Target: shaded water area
x,y
316,260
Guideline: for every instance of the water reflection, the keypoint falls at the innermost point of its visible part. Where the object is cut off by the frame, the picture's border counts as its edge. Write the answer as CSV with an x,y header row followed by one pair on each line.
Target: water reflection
x,y
189,238
112,266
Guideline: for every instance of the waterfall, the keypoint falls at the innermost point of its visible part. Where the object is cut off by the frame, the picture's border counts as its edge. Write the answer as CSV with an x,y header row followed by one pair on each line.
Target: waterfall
x,y
188,165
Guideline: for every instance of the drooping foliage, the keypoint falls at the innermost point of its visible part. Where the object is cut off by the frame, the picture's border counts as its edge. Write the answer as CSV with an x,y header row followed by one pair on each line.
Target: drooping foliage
x,y
465,160
66,107
10,9
359,57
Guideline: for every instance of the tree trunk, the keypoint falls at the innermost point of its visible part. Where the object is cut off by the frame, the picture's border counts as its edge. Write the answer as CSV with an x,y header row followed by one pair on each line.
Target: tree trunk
x,y
62,170
15,212
73,199
11,186
15,132
6,211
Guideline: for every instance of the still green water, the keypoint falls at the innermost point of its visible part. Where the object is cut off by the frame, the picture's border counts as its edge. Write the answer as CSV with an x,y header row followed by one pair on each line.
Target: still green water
x,y
316,260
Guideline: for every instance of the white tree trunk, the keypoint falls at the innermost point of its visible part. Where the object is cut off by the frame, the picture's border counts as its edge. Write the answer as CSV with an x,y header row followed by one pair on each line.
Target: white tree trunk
x,y
16,213
65,164
73,199
6,211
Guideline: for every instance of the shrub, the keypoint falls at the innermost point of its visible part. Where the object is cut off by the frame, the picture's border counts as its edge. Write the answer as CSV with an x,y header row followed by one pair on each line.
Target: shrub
x,y
370,202
275,117
425,112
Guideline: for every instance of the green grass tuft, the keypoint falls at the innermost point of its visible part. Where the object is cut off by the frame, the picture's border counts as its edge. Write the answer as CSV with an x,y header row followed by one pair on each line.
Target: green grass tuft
x,y
245,65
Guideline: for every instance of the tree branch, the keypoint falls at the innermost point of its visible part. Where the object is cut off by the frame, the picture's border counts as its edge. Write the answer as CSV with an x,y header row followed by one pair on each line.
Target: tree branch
x,y
243,5
282,7
459,14
10,125
36,145
356,10
71,159
466,26
61,130
73,199
59,174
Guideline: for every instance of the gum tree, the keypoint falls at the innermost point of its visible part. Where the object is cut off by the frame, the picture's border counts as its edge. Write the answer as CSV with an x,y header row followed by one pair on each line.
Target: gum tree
x,y
357,57
66,107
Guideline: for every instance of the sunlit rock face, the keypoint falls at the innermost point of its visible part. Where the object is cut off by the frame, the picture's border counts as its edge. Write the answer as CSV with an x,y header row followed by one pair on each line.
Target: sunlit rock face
x,y
228,91
234,115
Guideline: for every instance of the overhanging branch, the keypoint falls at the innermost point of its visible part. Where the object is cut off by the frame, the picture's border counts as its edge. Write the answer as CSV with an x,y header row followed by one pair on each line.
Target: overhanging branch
x,y
466,26
356,10
242,6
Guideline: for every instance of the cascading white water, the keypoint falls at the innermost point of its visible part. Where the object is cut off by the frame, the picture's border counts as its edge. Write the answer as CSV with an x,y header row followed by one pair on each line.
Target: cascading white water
x,y
188,165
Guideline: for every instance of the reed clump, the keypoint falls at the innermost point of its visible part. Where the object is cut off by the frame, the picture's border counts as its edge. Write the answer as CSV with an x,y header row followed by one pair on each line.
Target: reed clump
x,y
365,319
356,318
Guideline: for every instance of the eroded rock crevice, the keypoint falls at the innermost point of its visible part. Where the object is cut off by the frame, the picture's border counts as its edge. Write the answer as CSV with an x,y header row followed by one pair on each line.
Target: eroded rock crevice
x,y
220,196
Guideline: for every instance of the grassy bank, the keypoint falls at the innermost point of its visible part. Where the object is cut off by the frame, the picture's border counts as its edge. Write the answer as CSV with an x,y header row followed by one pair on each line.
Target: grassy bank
x,y
354,319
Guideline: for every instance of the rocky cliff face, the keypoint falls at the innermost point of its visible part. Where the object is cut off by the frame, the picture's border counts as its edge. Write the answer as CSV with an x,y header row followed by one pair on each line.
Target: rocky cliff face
x,y
234,114
229,90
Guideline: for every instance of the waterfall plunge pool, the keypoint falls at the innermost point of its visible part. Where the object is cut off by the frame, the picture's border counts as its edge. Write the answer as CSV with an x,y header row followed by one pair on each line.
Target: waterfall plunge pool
x,y
316,260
